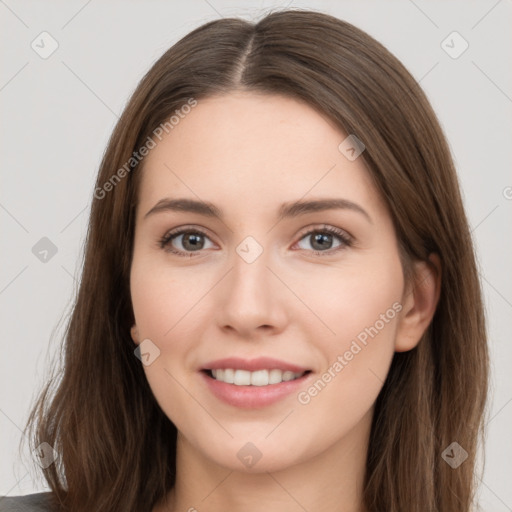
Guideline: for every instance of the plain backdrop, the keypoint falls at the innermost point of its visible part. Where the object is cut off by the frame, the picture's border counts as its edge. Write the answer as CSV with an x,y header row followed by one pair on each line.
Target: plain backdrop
x,y
58,110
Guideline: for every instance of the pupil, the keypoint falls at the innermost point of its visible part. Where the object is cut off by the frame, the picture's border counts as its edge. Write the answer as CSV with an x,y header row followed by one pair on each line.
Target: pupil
x,y
318,238
192,240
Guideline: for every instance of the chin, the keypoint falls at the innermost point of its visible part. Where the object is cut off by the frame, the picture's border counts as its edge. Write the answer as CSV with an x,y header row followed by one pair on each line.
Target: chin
x,y
251,455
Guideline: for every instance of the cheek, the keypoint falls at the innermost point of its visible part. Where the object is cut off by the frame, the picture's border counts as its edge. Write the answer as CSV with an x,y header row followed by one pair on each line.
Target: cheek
x,y
351,300
361,307
167,304
160,313
157,298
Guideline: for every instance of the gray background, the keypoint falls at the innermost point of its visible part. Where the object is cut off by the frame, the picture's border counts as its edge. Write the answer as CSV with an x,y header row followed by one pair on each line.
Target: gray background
x,y
57,114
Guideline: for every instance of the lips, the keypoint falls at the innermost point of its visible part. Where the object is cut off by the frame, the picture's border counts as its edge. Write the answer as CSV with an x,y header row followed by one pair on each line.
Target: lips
x,y
253,365
253,383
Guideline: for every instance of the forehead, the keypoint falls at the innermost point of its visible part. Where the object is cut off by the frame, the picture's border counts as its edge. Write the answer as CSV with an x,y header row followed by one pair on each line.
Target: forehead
x,y
254,149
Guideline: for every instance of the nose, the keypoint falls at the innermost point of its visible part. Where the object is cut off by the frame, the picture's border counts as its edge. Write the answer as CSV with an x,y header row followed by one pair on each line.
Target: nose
x,y
251,300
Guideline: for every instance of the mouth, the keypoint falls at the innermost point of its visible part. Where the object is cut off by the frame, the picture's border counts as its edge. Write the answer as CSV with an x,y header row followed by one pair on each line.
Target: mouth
x,y
256,383
259,378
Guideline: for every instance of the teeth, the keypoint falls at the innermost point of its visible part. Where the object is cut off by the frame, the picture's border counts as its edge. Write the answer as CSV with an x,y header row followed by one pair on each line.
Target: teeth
x,y
288,376
275,376
242,378
257,378
229,375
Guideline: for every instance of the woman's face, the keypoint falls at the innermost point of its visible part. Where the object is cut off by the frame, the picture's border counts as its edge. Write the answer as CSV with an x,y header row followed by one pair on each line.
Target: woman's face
x,y
316,290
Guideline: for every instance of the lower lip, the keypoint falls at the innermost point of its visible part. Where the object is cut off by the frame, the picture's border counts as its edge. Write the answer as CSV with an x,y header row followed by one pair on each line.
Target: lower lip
x,y
252,397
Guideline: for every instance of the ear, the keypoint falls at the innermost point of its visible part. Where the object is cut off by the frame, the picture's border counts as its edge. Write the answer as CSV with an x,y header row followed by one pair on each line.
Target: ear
x,y
135,334
419,301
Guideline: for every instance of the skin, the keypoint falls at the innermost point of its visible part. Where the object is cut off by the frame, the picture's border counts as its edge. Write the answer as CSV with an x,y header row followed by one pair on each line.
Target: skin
x,y
247,154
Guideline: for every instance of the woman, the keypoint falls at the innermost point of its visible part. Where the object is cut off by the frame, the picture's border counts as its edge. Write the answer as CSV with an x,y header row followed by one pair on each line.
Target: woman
x,y
279,305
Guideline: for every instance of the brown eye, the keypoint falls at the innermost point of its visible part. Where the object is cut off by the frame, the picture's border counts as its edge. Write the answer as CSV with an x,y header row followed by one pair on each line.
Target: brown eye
x,y
190,240
322,240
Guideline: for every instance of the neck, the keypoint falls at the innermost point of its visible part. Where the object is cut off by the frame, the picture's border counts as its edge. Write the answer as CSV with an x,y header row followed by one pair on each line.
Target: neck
x,y
332,481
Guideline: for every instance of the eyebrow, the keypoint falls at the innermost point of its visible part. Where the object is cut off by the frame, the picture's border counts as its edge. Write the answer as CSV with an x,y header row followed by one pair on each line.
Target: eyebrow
x,y
287,210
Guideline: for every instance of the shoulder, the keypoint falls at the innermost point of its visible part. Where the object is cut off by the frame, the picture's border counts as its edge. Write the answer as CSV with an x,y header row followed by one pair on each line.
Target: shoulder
x,y
38,502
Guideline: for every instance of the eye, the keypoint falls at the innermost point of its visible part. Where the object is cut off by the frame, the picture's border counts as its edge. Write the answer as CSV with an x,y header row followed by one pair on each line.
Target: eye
x,y
192,240
322,240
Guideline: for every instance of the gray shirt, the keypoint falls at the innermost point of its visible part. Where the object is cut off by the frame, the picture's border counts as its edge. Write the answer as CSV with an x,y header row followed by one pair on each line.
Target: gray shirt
x,y
30,503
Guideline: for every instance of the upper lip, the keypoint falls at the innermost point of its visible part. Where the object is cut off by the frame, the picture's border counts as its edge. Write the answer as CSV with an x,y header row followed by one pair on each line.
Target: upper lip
x,y
252,365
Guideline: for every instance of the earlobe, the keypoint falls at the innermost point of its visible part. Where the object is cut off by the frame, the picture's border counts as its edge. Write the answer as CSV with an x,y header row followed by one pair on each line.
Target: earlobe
x,y
135,334
419,303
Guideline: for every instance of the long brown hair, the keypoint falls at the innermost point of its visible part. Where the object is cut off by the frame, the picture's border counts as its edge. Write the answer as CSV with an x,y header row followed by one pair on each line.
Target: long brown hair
x,y
116,446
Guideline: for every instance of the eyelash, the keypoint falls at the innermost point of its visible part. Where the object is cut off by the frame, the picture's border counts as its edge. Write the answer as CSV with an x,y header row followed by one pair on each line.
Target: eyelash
x,y
346,240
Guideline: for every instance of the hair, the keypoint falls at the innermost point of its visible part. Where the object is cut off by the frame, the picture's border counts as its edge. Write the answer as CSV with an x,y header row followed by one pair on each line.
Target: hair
x,y
116,446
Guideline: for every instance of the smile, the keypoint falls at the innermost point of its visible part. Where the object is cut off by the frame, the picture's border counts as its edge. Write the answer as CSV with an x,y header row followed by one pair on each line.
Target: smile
x,y
256,378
